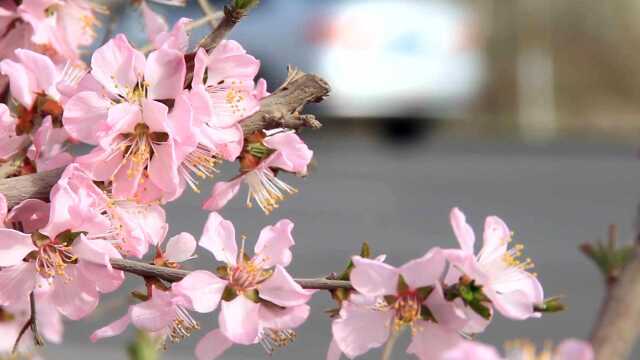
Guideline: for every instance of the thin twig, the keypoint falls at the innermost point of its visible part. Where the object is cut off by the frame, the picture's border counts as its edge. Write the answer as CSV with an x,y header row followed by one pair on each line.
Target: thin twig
x,y
32,324
208,10
173,275
231,17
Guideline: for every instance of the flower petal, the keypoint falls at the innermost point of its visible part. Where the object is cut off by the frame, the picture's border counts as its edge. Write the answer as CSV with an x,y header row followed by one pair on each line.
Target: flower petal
x,y
16,283
334,352
223,191
288,318
462,230
471,350
115,328
239,320
165,73
274,243
360,329
374,278
202,289
281,289
292,154
153,315
85,116
212,345
425,271
74,296
117,65
180,247
14,246
219,237
154,24
496,239
432,340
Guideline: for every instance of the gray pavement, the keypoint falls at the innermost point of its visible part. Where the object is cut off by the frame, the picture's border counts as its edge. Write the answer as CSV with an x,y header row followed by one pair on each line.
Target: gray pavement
x,y
397,198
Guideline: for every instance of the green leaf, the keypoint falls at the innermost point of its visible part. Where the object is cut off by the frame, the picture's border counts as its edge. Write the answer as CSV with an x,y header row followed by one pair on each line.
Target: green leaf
x,y
245,4
252,295
390,299
229,294
481,309
424,292
402,285
426,314
365,250
550,305
223,271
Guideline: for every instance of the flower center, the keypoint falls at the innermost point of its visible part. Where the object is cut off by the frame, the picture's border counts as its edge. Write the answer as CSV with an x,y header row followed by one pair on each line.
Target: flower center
x,y
246,276
512,258
407,311
138,147
52,256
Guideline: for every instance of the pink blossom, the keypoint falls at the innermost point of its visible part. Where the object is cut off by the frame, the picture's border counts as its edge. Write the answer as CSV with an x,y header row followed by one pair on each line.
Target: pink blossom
x,y
400,295
165,314
288,153
219,103
503,277
69,253
262,302
569,349
61,27
141,143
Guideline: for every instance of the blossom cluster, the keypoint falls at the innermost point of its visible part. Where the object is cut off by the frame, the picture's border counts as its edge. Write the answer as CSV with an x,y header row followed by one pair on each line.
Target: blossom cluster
x,y
159,124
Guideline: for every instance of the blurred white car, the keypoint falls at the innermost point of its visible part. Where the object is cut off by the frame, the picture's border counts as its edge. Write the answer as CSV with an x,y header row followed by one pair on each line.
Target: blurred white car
x,y
399,58
383,58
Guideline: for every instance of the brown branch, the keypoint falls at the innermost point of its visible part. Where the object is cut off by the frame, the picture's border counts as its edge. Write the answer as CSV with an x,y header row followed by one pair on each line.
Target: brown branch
x,y
173,275
280,109
34,186
615,333
32,324
231,17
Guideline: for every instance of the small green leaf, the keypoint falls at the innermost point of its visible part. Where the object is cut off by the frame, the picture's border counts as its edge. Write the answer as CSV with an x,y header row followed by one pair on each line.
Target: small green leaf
x,y
139,295
365,250
252,295
426,314
550,305
402,286
229,294
481,309
424,292
223,271
245,4
390,299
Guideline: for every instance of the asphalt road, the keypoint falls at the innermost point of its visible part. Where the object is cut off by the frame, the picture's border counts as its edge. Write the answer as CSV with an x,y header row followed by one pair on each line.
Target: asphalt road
x,y
397,198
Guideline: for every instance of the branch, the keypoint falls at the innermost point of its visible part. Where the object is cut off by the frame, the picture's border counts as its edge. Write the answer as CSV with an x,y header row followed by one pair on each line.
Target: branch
x,y
615,332
280,109
173,275
209,11
616,329
232,16
30,324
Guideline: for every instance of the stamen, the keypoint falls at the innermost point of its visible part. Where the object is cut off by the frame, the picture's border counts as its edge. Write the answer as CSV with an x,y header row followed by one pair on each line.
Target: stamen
x,y
266,189
200,163
272,339
183,326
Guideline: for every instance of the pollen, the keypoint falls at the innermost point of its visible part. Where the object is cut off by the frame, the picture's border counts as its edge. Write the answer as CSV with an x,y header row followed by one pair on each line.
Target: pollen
x,y
511,258
267,190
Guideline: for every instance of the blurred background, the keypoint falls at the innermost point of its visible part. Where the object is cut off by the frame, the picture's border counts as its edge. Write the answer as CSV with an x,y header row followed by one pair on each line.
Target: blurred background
x,y
525,109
